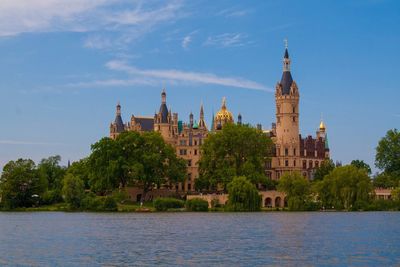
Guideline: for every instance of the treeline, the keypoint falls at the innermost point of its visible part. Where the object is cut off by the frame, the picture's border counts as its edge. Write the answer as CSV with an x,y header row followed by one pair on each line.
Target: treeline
x,y
98,181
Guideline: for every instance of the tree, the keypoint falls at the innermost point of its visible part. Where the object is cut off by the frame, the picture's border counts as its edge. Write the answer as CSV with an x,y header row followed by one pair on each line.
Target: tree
x,y
243,195
346,187
73,190
297,189
388,153
361,165
385,180
142,160
81,170
236,150
20,184
326,167
51,171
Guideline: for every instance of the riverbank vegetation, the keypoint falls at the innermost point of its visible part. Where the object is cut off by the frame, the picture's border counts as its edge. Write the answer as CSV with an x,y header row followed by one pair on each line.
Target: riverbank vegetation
x,y
233,161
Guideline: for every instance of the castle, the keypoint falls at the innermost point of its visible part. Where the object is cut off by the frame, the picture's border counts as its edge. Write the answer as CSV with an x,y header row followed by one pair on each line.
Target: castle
x,y
291,153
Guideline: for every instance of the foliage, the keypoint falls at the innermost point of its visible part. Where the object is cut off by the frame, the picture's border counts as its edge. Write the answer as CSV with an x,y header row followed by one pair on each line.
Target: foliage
x,y
51,197
91,202
142,160
326,167
344,187
361,165
196,204
396,194
109,204
20,184
388,153
236,150
386,180
297,189
164,204
73,190
51,171
120,195
383,205
81,169
243,195
271,184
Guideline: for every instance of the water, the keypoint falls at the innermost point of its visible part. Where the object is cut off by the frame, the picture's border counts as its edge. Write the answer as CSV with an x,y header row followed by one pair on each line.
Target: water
x,y
205,239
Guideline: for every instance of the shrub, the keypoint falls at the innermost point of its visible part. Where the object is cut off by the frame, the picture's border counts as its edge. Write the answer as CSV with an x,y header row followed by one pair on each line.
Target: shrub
x,y
91,202
73,190
109,204
243,195
196,204
51,197
163,204
120,196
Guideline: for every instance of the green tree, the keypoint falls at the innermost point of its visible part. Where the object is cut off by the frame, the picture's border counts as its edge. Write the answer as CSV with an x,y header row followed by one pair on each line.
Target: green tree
x,y
361,165
346,187
73,190
385,180
243,195
236,150
297,189
142,160
326,167
81,169
51,171
396,194
20,184
388,153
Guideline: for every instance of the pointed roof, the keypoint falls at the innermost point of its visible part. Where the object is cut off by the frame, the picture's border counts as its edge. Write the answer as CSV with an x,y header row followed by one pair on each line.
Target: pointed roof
x,y
163,108
118,120
286,80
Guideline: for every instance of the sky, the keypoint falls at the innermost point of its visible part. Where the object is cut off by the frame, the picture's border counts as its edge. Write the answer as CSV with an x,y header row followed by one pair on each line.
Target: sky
x,y
64,65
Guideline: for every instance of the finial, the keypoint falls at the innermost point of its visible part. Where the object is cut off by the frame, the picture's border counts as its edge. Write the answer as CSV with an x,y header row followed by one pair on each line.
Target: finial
x,y
286,43
224,102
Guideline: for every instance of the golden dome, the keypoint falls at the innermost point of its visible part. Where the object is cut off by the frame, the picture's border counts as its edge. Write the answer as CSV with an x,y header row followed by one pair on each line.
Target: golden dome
x,y
322,126
224,115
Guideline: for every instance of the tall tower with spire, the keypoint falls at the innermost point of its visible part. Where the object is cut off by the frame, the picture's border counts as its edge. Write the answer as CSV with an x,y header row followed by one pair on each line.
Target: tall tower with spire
x,y
164,121
287,122
118,125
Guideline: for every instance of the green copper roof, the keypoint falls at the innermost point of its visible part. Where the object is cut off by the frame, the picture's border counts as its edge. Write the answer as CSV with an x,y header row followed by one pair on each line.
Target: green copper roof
x,y
326,142
195,125
180,126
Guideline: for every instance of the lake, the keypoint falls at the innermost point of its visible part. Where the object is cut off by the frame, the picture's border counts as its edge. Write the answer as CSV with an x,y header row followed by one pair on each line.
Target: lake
x,y
200,239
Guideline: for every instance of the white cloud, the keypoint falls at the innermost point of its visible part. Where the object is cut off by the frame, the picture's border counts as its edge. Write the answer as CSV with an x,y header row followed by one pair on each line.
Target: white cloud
x,y
186,41
234,12
227,40
114,83
128,20
185,76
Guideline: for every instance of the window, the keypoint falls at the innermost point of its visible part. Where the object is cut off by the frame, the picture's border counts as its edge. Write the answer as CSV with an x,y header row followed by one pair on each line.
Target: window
x,y
189,162
304,164
316,164
182,142
294,109
189,176
182,152
294,119
286,163
189,187
294,163
195,142
286,152
310,163
294,151
278,109
195,151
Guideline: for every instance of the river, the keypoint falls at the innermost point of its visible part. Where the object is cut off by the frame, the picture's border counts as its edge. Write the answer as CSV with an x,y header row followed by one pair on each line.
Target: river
x,y
200,239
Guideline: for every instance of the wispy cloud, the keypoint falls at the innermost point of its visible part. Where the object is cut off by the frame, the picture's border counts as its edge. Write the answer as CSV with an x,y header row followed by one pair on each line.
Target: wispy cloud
x,y
234,12
185,76
113,83
187,40
15,142
227,40
126,20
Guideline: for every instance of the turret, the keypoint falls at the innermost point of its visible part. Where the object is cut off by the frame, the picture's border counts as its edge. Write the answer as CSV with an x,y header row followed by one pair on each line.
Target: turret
x,y
202,123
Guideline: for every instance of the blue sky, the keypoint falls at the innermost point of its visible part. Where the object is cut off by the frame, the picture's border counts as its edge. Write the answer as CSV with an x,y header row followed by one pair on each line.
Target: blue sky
x,y
65,64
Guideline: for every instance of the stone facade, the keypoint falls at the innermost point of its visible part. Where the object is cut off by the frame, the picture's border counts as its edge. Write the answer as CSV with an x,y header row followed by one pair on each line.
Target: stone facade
x,y
292,152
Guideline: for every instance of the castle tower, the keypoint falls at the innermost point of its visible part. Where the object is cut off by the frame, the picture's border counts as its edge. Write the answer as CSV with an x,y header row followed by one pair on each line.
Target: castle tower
x,y
117,126
287,122
202,122
163,121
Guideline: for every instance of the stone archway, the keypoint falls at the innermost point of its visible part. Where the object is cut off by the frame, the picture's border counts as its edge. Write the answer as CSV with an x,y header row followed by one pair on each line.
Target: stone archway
x,y
278,201
268,202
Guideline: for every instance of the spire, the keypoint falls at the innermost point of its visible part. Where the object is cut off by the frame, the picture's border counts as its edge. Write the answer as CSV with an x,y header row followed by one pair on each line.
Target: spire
x,y
223,106
202,123
191,119
240,119
163,96
286,80
118,109
163,108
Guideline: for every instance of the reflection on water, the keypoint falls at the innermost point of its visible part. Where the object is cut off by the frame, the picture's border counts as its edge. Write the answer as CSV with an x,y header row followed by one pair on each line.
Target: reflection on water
x,y
207,239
